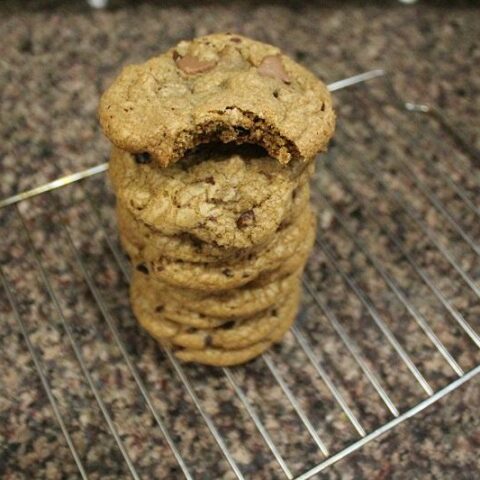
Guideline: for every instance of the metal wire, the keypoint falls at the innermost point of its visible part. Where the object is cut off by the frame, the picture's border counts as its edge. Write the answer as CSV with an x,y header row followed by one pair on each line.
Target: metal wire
x,y
295,404
456,315
48,187
78,353
434,200
376,317
432,166
352,347
258,423
404,205
419,318
391,424
121,345
42,376
327,380
300,336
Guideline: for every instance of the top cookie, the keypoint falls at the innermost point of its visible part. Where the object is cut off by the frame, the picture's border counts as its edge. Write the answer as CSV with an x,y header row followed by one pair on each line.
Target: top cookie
x,y
219,87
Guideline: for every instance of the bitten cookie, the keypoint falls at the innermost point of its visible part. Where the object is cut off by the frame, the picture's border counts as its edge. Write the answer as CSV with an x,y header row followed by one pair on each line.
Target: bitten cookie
x,y
219,87
233,200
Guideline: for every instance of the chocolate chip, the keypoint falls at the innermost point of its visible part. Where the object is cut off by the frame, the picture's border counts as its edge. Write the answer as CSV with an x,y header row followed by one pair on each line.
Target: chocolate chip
x,y
159,308
322,108
275,93
141,267
241,131
227,272
274,312
175,55
228,325
272,66
196,242
192,65
236,40
282,226
210,180
143,158
246,219
208,341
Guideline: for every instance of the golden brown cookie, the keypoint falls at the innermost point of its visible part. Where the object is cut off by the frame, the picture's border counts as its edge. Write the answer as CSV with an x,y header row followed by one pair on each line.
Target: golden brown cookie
x,y
286,254
219,87
233,198
239,302
149,243
219,357
162,307
223,358
235,334
182,309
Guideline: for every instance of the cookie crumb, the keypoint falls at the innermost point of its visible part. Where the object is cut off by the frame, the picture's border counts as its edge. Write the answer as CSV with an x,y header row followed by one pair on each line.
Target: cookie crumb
x,y
227,272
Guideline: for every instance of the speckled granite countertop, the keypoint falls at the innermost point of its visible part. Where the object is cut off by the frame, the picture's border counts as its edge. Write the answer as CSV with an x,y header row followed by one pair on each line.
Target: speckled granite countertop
x,y
56,58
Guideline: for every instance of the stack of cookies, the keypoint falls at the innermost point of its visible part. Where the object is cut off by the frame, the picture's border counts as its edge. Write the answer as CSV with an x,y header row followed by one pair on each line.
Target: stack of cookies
x,y
213,148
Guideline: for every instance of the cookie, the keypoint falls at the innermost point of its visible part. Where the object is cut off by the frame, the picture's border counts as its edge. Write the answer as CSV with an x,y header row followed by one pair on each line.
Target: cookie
x,y
227,197
149,243
221,357
164,307
235,334
286,254
240,302
219,87
243,333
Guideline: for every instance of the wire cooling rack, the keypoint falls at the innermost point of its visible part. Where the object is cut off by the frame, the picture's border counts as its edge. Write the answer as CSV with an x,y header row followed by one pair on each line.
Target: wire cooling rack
x,y
388,325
